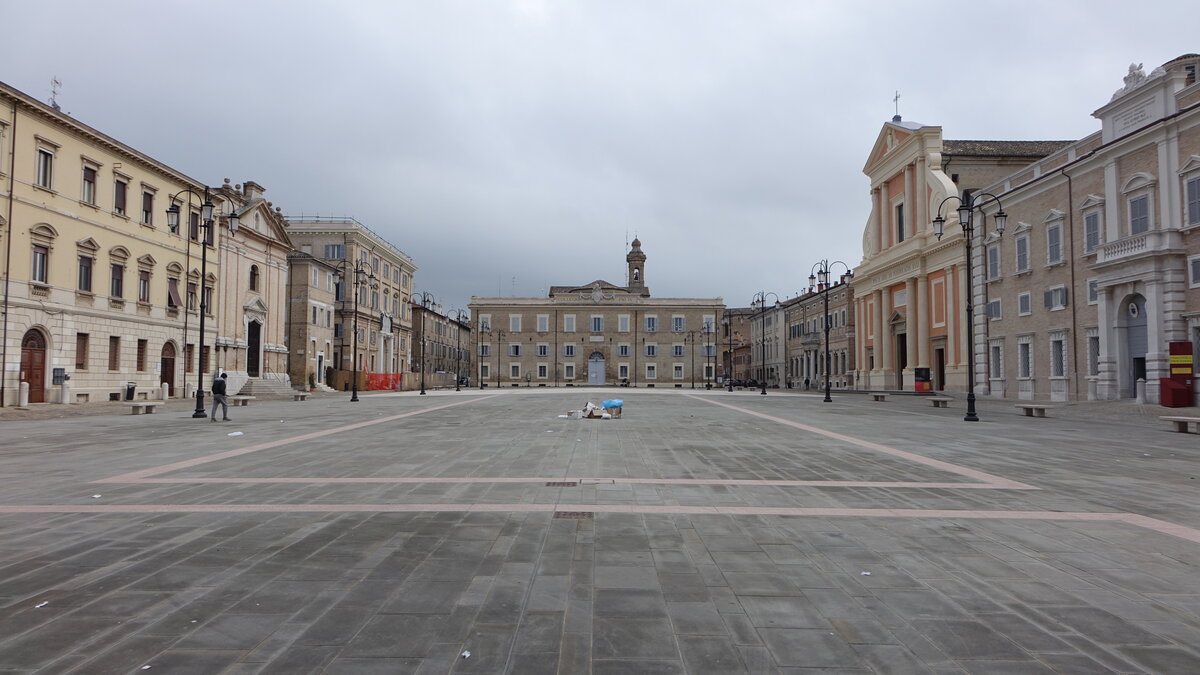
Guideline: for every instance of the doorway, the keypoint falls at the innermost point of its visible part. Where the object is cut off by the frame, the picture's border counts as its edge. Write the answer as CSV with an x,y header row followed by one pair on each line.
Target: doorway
x,y
1136,342
901,359
33,365
939,369
166,367
596,369
253,348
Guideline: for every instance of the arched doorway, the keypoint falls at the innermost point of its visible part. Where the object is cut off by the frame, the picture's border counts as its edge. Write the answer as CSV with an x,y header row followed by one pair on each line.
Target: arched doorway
x,y
253,349
1134,343
166,367
596,369
33,365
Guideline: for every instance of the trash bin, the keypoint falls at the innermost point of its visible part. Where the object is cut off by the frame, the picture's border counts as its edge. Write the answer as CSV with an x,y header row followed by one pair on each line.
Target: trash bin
x,y
129,389
1174,394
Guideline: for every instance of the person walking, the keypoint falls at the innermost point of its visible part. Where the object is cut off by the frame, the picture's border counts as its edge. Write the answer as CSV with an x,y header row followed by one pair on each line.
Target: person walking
x,y
218,394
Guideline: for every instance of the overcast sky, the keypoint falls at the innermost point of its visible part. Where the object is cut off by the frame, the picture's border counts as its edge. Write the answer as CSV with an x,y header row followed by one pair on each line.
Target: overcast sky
x,y
512,145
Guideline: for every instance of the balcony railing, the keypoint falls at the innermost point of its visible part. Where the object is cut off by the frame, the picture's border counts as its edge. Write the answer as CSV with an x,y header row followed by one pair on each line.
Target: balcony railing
x,y
1152,241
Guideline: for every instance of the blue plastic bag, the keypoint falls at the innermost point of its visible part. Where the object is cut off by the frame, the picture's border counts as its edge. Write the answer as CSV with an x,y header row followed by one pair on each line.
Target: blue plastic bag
x,y
612,403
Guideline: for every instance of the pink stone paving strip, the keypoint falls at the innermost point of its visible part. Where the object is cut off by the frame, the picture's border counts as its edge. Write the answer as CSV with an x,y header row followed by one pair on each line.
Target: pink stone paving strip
x,y
582,481
187,464
996,481
1163,527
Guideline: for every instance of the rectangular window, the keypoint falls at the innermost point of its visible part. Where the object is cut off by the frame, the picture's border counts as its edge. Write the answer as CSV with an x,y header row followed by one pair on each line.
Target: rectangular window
x,y
81,351
1194,271
995,361
116,285
1022,243
1054,244
485,350
543,350
191,296
1024,304
1056,298
622,350
677,350
1093,291
120,191
623,323
206,302
651,372
569,371
568,350
194,226
543,323
1024,361
1058,358
514,350
515,371
1091,232
569,323
41,264
114,352
678,325
1093,342
85,273
597,324
679,372
542,371
993,263
623,371
88,194
899,223
484,371
514,323
143,285
651,350
173,299
142,346
189,358
45,168
651,324
147,207
1139,214
1193,201
335,251
993,310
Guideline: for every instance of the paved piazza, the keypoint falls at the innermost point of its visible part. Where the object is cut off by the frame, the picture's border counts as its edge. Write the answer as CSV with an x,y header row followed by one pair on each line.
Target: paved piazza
x,y
703,532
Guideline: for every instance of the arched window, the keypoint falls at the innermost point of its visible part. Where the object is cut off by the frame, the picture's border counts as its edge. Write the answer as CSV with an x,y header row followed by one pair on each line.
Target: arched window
x,y
254,277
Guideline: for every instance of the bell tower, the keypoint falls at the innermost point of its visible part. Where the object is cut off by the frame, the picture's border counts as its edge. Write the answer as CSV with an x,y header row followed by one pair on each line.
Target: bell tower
x,y
637,268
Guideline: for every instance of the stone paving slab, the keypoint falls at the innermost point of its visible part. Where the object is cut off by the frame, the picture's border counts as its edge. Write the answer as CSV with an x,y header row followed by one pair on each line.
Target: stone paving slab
x,y
704,532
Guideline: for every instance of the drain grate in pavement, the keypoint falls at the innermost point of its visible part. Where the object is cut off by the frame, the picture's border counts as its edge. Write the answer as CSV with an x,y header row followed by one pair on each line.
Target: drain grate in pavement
x,y
574,515
561,483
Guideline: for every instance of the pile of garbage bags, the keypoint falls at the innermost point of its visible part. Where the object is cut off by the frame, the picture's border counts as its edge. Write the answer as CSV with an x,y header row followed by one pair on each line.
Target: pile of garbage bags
x,y
607,410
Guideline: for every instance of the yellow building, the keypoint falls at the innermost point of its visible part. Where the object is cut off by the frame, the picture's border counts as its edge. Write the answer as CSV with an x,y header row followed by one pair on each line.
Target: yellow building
x,y
94,278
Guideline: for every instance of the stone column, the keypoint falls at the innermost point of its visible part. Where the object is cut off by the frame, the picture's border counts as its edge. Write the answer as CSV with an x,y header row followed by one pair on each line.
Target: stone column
x,y
923,321
953,307
884,218
1107,382
912,324
883,341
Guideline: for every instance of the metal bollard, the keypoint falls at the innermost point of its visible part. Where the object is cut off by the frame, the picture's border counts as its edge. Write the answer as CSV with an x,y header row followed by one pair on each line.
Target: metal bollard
x,y
166,391
23,395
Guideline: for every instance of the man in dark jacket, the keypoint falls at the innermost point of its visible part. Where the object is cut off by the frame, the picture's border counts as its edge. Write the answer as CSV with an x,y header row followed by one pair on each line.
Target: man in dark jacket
x,y
218,394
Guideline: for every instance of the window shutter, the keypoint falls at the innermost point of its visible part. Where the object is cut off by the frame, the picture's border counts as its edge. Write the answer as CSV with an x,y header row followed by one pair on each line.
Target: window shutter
x,y
1064,296
1195,270
1049,298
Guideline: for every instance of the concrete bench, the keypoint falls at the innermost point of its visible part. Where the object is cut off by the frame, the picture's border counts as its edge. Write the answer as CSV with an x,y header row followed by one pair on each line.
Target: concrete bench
x,y
1182,424
940,401
139,407
240,400
1033,409
300,396
879,397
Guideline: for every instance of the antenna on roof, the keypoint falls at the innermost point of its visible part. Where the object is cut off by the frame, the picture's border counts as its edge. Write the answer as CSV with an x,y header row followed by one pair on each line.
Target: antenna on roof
x,y
55,86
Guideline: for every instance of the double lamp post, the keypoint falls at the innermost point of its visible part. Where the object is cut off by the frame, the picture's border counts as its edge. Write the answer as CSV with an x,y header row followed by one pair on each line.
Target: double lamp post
x,y
820,275
760,299
364,275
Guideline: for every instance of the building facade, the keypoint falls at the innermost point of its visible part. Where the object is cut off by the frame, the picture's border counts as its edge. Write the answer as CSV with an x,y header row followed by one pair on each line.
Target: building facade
x,y
597,334
735,343
910,289
373,294
1098,271
441,346
806,344
93,273
312,309
768,339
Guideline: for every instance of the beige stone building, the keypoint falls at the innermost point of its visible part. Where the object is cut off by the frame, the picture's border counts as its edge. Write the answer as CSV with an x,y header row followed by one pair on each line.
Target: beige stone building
x,y
910,289
376,283
312,310
252,300
94,277
735,344
1099,269
441,345
598,333
806,348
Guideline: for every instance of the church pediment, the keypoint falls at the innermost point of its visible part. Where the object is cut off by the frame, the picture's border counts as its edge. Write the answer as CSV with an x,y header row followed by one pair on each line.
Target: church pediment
x,y
255,305
892,136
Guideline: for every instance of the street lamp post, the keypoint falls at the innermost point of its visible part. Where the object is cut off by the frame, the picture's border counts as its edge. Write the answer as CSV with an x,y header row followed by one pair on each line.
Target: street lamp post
x,y
729,354
760,299
207,223
820,274
709,354
967,204
499,338
363,274
458,318
426,300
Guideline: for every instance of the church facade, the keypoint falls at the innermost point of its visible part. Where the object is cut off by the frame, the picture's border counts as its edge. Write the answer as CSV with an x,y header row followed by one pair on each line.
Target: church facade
x,y
598,333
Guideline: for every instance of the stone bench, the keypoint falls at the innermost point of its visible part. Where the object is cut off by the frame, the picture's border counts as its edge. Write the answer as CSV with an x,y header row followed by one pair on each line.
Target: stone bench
x,y
1033,409
1182,424
300,396
139,407
940,401
240,400
879,397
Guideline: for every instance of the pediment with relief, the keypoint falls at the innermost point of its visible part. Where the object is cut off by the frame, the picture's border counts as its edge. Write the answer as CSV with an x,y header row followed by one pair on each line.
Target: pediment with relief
x,y
255,305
